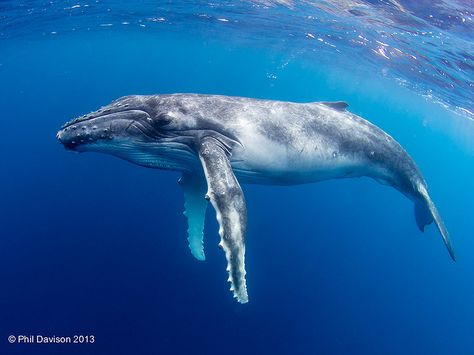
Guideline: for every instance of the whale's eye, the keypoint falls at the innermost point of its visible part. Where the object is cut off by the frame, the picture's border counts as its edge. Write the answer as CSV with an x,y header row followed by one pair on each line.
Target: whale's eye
x,y
163,119
183,111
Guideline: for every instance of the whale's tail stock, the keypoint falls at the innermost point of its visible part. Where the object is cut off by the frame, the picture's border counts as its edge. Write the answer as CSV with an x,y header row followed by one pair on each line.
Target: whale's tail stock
x,y
426,213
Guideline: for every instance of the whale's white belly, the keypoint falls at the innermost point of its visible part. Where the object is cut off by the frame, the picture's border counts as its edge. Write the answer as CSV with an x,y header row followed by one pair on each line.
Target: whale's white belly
x,y
262,160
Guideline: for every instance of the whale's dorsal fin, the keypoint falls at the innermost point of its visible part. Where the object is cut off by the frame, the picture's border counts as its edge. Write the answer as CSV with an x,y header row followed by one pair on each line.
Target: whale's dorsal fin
x,y
194,189
337,105
227,198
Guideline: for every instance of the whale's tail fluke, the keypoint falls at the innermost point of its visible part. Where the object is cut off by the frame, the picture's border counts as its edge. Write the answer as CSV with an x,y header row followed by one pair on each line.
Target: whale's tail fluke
x,y
426,213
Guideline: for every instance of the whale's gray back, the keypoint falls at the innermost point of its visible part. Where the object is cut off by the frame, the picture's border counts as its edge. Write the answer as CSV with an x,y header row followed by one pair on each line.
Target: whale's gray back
x,y
326,131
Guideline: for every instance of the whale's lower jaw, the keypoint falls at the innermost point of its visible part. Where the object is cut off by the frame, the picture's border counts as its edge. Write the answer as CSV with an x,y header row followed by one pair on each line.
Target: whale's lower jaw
x,y
170,156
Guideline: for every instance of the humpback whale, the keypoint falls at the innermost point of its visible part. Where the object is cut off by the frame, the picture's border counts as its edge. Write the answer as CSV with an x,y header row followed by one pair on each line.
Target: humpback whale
x,y
218,142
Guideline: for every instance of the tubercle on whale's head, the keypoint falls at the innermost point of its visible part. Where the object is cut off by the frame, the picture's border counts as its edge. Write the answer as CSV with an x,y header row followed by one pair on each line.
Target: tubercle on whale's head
x,y
135,118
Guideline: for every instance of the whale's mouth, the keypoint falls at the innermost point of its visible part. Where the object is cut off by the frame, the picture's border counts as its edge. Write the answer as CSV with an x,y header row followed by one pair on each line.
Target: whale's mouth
x,y
102,114
100,126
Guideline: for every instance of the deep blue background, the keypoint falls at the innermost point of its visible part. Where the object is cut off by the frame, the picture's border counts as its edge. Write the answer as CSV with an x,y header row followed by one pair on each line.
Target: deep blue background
x,y
94,245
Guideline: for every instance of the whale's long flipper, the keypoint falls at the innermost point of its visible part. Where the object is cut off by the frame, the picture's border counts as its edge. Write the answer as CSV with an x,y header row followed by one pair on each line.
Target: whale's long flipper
x,y
195,205
228,200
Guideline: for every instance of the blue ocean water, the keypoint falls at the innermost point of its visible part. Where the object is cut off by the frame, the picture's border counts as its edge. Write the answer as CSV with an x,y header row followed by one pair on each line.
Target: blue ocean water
x,y
93,245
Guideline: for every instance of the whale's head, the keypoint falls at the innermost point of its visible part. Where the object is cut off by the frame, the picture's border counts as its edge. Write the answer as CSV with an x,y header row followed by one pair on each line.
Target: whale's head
x,y
136,128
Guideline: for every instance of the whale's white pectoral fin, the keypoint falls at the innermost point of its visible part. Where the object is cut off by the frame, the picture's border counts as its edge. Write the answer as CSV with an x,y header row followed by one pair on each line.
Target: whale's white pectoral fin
x,y
194,189
227,198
